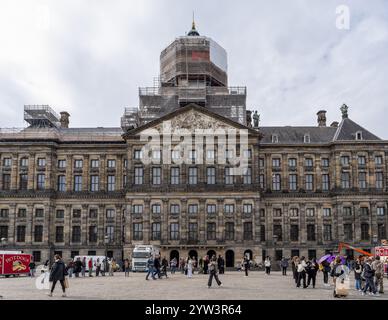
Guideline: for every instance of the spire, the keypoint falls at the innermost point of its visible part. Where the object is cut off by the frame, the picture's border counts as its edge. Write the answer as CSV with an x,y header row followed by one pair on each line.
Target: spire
x,y
193,31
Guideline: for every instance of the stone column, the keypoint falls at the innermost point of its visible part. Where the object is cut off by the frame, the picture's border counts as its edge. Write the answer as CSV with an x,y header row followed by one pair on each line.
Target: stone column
x,y
373,220
29,231
128,223
319,231
286,224
84,224
69,173
12,224
101,225
67,225
357,222
31,172
118,224
85,173
303,228
147,221
102,173
14,172
202,221
238,221
256,221
184,220
220,220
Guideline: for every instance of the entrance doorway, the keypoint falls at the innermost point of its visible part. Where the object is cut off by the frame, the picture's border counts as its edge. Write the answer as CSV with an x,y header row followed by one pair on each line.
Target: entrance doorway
x,y
174,254
248,254
211,253
229,259
193,253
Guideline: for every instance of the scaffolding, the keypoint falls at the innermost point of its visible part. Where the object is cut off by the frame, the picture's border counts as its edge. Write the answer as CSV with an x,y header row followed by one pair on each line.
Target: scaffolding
x,y
41,116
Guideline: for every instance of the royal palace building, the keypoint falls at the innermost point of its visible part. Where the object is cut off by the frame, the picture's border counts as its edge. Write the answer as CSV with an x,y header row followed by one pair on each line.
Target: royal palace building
x,y
97,191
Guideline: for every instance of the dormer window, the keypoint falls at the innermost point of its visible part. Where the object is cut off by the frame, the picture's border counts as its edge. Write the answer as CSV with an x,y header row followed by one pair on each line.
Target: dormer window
x,y
359,135
275,138
306,138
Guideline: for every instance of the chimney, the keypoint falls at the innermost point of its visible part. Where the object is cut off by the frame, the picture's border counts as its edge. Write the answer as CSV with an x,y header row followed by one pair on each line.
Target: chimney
x,y
64,119
334,124
321,118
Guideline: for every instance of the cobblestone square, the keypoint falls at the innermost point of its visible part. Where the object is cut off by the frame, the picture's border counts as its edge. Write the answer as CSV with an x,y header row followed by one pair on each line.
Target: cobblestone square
x,y
257,286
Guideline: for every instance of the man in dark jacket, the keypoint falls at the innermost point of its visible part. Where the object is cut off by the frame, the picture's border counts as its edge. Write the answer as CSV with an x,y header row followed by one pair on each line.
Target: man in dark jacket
x,y
369,274
77,267
157,266
58,273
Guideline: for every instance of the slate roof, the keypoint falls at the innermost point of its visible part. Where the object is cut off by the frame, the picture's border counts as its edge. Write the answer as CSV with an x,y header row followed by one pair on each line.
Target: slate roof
x,y
347,131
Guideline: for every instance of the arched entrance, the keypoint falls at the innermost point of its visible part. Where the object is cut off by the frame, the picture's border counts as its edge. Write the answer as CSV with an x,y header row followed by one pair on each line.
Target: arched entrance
x,y
193,253
248,254
229,259
174,254
211,253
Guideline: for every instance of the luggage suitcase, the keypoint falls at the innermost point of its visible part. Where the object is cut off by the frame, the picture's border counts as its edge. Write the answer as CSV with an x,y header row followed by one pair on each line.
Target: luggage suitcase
x,y
342,288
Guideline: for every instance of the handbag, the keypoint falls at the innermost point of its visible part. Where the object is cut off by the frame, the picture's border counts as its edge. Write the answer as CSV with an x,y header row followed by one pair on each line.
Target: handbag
x,y
66,283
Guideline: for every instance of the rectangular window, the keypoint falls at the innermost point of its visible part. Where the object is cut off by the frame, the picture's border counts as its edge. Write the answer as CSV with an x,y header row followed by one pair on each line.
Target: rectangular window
x,y
139,174
38,233
110,232
61,163
278,232
110,213
22,212
325,182
7,162
276,182
294,232
378,160
125,163
138,231
92,233
211,175
326,212
175,155
248,154
262,181
309,182
292,163
94,163
310,212
175,173
327,236
193,209
24,162
261,163
310,232
193,175
39,213
365,232
276,163
229,208
41,178
211,209
362,180
193,231
229,178
60,214
381,231
262,233
294,212
137,209
380,211
6,181
21,234
247,177
210,154
277,213
93,213
345,180
174,231
41,162
211,231
362,160
111,183
23,182
156,175
156,234
76,213
156,209
309,163
247,208
4,213
229,154
364,211
61,183
125,181
229,231
348,232
347,211
312,254
111,163
4,232
345,161
77,183
59,235
293,181
36,255
248,233
325,162
379,180
138,155
78,163
174,209
94,183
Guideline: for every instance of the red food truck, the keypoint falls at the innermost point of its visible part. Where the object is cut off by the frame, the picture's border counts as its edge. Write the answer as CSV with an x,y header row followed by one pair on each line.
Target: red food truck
x,y
14,263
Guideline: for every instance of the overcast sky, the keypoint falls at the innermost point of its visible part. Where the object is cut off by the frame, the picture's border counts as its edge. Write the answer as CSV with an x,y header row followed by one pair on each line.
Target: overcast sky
x,y
90,58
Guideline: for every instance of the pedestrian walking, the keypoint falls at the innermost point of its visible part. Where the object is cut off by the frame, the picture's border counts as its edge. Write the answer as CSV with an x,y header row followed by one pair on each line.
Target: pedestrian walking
x,y
82,266
150,267
173,264
301,268
58,273
358,267
368,273
70,268
206,264
126,267
245,264
294,267
110,266
77,267
157,266
284,266
340,273
312,270
222,265
32,267
90,267
190,262
200,262
267,265
213,272
98,267
326,269
378,267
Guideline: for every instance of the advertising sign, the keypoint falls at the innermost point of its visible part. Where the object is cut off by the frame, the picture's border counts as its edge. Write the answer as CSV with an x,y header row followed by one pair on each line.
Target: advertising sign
x,y
15,263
